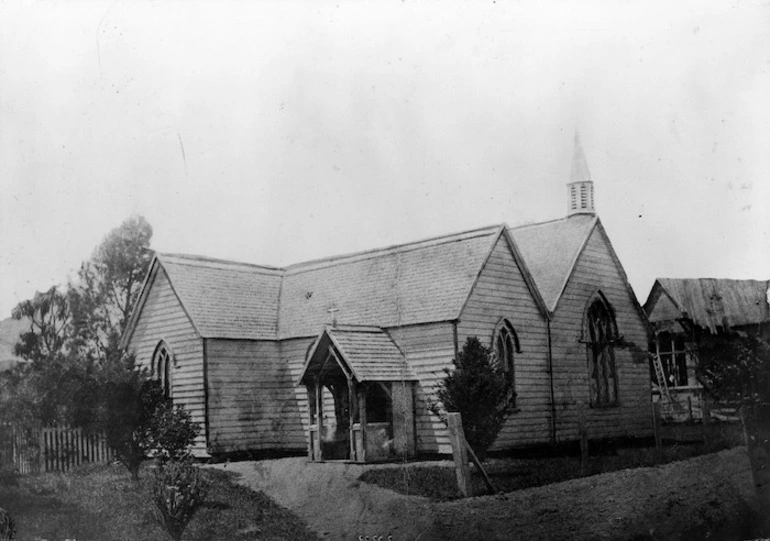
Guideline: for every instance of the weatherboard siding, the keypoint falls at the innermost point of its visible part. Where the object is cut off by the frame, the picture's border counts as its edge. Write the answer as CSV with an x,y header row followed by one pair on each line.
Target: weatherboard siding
x,y
293,355
501,292
595,270
252,405
163,318
664,309
429,349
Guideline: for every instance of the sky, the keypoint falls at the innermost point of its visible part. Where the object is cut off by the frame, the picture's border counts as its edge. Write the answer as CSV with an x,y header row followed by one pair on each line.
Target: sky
x,y
275,132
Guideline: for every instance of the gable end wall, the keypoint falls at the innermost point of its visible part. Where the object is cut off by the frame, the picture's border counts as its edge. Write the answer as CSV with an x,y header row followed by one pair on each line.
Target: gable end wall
x,y
501,292
595,270
163,318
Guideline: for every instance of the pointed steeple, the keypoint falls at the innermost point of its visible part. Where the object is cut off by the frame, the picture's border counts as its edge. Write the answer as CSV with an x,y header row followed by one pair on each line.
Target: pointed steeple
x,y
580,188
580,170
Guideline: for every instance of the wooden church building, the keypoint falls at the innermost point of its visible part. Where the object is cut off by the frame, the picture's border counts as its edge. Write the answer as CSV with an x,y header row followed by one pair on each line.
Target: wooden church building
x,y
341,356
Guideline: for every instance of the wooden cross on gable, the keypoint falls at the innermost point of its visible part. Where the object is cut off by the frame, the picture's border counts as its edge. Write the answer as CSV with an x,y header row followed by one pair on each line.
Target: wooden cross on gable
x,y
333,314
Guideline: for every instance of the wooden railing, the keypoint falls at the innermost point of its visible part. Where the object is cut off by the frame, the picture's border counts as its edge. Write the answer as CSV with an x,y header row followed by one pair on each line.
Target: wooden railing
x,y
50,449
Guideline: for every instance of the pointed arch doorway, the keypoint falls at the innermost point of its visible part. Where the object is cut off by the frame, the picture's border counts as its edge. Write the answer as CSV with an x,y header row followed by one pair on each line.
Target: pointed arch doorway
x,y
360,397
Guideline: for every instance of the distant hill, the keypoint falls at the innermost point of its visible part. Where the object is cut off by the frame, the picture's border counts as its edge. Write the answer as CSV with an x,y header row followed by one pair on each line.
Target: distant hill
x,y
10,329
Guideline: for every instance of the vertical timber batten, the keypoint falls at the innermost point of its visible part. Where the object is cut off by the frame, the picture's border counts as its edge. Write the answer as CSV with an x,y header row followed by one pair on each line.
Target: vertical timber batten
x,y
550,378
206,394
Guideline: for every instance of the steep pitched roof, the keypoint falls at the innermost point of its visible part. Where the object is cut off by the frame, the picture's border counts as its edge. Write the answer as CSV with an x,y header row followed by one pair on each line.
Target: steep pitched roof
x,y
551,250
223,299
368,352
714,302
399,285
418,282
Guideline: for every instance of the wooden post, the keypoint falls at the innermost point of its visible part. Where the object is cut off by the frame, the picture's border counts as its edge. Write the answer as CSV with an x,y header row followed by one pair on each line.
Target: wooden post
x,y
459,452
749,450
705,417
656,427
583,433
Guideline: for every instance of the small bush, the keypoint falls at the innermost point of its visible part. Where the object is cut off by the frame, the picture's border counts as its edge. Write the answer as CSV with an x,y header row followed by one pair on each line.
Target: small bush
x,y
479,390
178,491
172,432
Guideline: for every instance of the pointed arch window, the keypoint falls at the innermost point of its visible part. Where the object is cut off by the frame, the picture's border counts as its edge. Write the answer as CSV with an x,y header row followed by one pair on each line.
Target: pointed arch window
x,y
600,334
505,345
162,361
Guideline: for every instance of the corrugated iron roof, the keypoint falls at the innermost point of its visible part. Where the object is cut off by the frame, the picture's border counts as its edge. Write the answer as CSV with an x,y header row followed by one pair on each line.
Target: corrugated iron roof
x,y
368,352
226,299
551,249
714,302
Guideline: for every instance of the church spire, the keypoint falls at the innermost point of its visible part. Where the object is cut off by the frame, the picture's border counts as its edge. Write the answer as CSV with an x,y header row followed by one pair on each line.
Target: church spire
x,y
580,188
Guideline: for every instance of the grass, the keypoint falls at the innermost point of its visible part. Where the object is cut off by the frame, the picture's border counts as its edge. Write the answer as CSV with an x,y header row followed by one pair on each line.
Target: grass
x,y
439,482
102,503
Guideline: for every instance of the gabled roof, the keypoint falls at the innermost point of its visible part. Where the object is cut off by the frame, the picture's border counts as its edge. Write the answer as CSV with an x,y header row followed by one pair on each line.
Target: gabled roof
x,y
715,302
368,353
412,283
223,299
419,282
551,250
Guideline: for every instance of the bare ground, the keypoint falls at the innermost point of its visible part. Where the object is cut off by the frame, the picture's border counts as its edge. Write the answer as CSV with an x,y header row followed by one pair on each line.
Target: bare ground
x,y
707,497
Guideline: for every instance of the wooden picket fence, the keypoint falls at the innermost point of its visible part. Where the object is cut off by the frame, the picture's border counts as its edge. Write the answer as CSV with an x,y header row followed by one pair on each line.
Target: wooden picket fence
x,y
51,449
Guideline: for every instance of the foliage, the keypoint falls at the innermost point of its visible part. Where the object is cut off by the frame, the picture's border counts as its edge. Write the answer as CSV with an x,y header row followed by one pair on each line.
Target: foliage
x,y
101,502
734,367
7,526
73,336
140,420
49,322
109,286
129,406
479,390
178,491
172,432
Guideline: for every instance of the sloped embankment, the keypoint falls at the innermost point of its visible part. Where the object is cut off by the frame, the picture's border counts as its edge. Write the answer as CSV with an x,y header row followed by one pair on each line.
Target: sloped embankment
x,y
707,497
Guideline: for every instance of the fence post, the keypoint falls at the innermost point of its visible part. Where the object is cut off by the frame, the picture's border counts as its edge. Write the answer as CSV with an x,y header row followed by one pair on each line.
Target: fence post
x,y
656,427
457,438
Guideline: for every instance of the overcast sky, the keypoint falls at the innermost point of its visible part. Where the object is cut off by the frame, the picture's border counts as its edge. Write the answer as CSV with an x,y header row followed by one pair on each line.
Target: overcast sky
x,y
275,132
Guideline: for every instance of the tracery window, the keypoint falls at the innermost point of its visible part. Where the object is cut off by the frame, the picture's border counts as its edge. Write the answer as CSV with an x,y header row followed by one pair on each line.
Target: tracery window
x,y
161,367
505,346
600,333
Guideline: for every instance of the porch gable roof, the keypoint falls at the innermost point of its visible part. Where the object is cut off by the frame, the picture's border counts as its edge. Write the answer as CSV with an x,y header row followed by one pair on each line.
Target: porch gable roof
x,y
368,353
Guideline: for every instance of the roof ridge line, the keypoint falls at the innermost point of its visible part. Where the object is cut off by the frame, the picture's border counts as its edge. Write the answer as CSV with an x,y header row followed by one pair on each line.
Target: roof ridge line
x,y
314,264
522,226
200,261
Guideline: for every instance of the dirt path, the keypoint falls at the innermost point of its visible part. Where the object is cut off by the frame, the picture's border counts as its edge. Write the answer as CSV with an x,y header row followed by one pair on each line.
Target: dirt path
x,y
698,498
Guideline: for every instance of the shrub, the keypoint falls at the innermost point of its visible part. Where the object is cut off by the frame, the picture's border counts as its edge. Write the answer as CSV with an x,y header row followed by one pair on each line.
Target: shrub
x,y
479,390
178,491
130,408
172,432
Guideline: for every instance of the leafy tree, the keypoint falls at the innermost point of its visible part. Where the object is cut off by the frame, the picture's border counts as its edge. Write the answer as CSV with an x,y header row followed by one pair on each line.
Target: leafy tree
x,y
49,325
478,389
109,286
734,367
